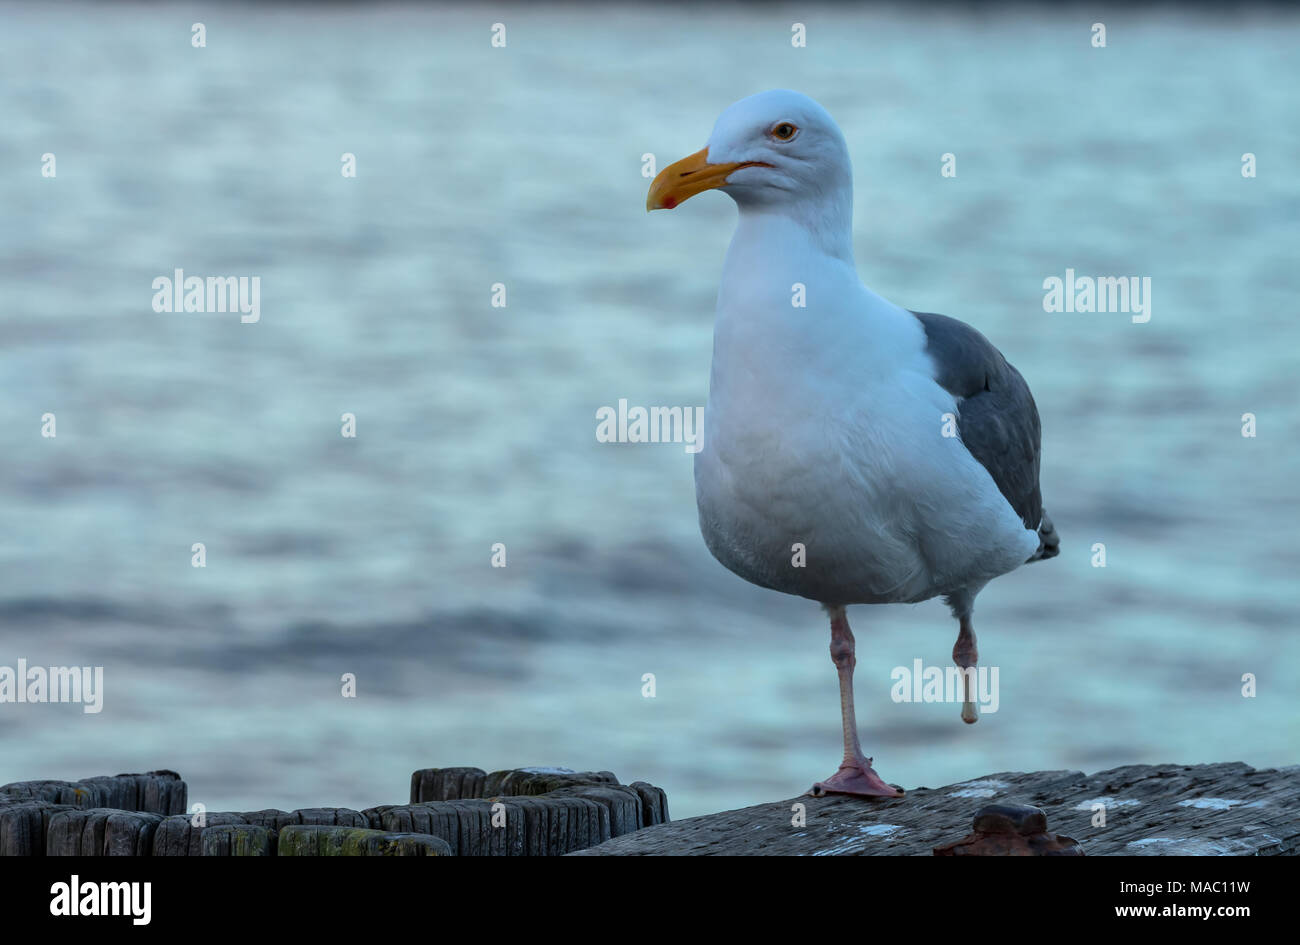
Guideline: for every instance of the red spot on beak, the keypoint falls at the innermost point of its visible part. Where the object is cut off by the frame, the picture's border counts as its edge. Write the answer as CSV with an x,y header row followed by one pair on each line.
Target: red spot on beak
x,y
670,202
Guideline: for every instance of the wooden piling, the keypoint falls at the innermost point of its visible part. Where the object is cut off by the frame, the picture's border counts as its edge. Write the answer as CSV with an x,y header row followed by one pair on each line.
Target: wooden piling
x,y
453,811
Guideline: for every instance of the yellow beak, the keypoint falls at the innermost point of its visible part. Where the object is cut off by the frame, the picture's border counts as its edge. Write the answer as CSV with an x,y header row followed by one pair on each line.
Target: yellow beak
x,y
691,175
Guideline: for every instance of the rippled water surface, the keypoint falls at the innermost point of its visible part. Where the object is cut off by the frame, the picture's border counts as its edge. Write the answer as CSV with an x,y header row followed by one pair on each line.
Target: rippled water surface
x,y
522,166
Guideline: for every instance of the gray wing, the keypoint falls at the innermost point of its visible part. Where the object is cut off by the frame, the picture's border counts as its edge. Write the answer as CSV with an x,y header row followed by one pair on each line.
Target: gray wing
x,y
999,420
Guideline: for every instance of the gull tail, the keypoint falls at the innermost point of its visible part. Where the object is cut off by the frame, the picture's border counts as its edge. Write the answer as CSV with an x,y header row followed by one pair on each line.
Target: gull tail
x,y
1049,543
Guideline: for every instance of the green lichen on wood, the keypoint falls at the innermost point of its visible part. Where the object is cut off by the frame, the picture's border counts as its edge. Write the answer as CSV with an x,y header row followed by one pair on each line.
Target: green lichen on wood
x,y
237,840
315,840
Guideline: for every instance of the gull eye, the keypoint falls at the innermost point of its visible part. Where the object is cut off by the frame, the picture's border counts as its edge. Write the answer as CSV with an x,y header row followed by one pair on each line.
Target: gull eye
x,y
784,131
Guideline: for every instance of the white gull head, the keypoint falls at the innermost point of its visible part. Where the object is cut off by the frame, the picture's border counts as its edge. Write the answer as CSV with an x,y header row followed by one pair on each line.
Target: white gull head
x,y
777,152
798,141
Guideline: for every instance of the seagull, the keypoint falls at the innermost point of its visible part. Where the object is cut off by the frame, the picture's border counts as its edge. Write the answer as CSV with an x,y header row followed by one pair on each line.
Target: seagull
x,y
854,452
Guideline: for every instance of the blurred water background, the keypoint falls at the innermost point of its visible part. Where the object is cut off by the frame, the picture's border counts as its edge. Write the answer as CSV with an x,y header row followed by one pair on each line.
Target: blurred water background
x,y
522,165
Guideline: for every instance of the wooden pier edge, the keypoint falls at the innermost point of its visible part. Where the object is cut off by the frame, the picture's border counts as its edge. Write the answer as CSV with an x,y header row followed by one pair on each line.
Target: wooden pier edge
x,y
1137,810
1228,809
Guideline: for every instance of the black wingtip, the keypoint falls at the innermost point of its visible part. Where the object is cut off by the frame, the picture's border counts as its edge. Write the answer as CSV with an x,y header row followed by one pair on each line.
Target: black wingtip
x,y
1049,542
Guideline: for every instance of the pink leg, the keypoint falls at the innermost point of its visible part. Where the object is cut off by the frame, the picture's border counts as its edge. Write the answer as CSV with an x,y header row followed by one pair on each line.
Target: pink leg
x,y
856,776
965,655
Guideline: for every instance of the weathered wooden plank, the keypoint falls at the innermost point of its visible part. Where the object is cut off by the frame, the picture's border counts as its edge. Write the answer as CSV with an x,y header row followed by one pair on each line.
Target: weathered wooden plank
x,y
177,835
545,825
331,817
548,826
528,819
560,825
438,819
158,792
270,818
67,793
525,826
474,828
23,827
654,803
237,840
622,803
446,784
101,832
451,784
375,815
163,793
22,831
535,781
1148,810
501,824
319,840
